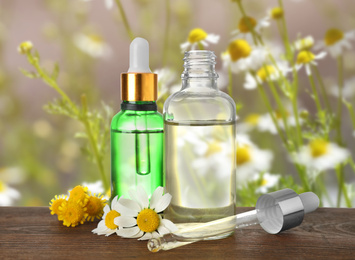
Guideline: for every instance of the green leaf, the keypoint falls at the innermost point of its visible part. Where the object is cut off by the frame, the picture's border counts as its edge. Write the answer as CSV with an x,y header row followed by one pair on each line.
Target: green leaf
x,y
29,74
55,72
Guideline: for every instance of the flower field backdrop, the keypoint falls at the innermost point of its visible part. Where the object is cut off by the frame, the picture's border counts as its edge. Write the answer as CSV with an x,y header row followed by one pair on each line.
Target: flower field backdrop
x,y
289,66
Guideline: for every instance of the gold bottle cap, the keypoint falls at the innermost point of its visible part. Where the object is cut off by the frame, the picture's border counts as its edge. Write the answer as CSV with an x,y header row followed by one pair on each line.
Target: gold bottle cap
x,y
139,86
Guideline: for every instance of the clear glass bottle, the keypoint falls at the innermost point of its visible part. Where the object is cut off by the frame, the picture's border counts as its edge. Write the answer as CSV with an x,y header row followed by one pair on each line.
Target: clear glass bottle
x,y
137,130
200,152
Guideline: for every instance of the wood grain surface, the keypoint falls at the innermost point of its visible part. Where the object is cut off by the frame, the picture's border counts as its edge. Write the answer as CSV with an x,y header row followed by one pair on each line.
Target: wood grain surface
x,y
33,233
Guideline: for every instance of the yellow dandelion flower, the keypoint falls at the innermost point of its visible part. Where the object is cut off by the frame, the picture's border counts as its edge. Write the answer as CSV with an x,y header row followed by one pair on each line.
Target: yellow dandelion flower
x,y
71,213
95,207
56,203
79,195
25,47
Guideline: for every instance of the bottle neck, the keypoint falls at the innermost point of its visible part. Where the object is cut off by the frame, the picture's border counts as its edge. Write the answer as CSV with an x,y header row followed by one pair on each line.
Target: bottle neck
x,y
139,105
199,69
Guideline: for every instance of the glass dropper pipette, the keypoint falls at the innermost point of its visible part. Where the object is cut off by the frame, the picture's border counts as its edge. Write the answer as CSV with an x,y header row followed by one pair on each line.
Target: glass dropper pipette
x,y
275,212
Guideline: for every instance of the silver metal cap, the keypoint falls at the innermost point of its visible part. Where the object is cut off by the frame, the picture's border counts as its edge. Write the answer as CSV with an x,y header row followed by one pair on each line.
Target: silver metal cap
x,y
284,209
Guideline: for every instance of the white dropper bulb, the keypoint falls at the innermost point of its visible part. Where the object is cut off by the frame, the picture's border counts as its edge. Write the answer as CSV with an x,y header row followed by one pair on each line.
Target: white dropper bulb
x,y
139,56
310,201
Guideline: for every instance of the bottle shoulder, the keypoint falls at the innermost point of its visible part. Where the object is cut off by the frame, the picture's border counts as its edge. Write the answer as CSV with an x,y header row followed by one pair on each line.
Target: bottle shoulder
x,y
207,105
127,120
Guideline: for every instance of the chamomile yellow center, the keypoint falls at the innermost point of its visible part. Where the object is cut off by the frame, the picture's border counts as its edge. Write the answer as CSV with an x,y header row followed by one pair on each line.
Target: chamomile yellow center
x,y
243,154
213,148
95,38
79,195
197,35
25,47
246,24
332,36
238,49
72,214
305,57
252,119
2,186
277,13
109,219
55,204
264,182
305,43
148,220
265,72
278,113
95,207
318,147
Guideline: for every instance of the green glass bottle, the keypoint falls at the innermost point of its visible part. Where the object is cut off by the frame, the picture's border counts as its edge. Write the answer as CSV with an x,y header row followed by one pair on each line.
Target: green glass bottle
x,y
137,130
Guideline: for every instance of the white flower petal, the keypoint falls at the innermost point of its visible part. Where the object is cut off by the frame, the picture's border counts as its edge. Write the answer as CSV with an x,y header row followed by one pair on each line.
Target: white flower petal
x,y
320,55
308,69
129,204
212,38
184,46
128,232
163,203
169,225
142,197
163,230
146,236
157,194
123,221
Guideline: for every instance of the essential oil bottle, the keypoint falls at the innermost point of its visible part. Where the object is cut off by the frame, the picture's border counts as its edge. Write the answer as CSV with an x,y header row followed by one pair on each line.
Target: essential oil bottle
x,y
137,130
199,127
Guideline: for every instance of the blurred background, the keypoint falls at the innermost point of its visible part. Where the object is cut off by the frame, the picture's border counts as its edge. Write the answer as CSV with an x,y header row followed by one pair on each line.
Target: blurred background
x,y
39,153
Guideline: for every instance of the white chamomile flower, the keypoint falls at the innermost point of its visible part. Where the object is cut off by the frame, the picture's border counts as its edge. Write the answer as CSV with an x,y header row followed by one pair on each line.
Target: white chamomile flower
x,y
267,181
240,56
320,155
348,90
7,194
250,159
266,124
198,38
307,58
166,77
336,41
92,44
141,219
266,73
108,3
305,43
107,225
249,123
247,24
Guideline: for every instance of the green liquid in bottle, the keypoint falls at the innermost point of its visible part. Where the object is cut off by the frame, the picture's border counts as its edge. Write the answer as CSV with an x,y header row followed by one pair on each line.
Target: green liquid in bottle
x,y
136,151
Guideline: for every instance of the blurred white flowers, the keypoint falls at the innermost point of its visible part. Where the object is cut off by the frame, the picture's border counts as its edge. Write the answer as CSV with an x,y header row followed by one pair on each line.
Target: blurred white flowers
x,y
198,38
250,159
307,58
320,155
92,44
336,41
240,56
267,181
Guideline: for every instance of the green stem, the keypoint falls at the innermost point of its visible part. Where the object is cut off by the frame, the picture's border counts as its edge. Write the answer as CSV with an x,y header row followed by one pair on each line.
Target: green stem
x,y
315,93
167,29
289,53
323,90
351,112
230,85
93,143
124,19
50,82
342,187
340,98
269,108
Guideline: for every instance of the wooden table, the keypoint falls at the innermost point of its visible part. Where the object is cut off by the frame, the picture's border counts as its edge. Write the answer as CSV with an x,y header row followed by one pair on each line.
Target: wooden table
x,y
32,233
